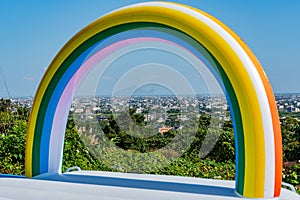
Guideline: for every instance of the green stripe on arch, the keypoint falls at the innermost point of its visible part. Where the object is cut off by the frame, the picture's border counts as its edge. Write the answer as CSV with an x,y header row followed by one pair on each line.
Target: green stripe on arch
x,y
115,30
239,134
235,114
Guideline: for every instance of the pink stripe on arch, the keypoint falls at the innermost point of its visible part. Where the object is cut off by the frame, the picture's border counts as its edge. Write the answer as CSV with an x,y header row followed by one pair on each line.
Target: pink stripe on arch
x,y
62,109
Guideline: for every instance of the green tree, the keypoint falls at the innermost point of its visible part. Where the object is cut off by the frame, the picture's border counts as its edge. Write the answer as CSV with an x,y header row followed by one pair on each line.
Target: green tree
x,y
12,149
75,153
290,130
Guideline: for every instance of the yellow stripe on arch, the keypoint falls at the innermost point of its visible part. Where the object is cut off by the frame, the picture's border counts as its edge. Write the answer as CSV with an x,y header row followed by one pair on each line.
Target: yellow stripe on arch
x,y
277,147
68,48
255,156
259,142
272,106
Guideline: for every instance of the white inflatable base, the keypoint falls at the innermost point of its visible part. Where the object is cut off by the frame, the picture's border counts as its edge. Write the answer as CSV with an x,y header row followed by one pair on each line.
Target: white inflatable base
x,y
120,186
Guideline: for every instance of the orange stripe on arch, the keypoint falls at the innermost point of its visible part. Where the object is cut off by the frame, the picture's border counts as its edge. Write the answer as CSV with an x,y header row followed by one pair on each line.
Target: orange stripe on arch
x,y
273,109
272,104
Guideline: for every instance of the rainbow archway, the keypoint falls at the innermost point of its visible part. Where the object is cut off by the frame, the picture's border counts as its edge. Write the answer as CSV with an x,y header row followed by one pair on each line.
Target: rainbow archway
x,y
253,107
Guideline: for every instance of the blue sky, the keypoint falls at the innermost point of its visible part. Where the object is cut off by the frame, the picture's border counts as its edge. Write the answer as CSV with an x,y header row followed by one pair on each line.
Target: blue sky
x,y
33,31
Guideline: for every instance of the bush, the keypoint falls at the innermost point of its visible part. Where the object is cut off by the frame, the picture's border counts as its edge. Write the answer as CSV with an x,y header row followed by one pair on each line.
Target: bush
x,y
12,149
290,130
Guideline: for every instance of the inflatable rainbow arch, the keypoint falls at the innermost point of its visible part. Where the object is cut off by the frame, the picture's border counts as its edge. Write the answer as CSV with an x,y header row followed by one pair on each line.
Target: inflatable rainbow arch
x,y
253,107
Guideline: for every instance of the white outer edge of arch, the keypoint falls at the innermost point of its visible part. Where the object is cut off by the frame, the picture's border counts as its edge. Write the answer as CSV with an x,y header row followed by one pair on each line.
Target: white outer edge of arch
x,y
257,83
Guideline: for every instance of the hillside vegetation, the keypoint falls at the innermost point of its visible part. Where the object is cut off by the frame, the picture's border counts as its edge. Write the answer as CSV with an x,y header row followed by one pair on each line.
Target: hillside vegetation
x,y
218,164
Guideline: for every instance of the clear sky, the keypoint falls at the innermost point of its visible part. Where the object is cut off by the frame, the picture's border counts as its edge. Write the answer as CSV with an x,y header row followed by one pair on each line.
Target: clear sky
x,y
33,31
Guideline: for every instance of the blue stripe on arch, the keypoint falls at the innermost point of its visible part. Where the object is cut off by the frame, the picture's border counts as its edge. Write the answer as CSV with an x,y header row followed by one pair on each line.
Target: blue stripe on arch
x,y
49,116
162,33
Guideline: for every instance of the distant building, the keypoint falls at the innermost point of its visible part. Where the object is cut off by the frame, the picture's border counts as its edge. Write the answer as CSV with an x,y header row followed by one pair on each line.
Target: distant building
x,y
165,129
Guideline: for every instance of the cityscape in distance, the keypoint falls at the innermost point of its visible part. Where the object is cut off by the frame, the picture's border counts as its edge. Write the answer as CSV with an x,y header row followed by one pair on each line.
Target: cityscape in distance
x,y
156,108
286,102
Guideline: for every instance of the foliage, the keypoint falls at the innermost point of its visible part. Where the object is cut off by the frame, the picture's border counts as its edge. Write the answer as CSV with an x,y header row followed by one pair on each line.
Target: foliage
x,y
192,166
12,148
209,133
75,152
290,130
13,128
129,140
133,161
291,174
217,164
13,139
